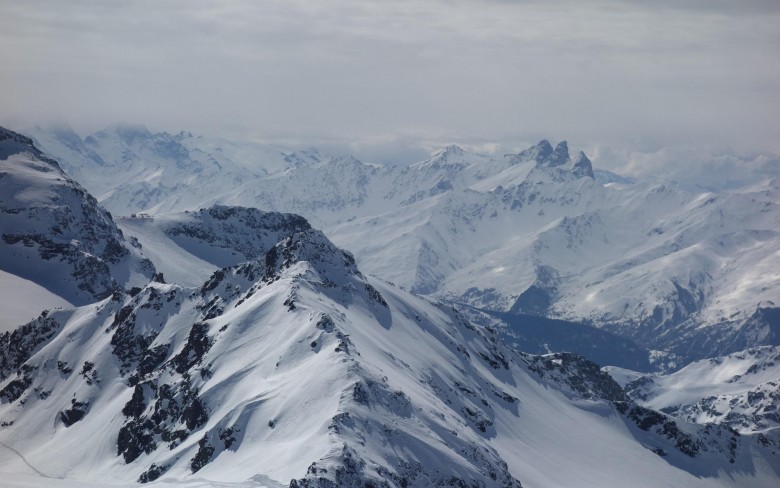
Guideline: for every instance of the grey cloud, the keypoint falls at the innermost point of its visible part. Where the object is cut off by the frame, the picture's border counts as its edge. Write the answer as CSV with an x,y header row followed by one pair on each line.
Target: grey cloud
x,y
691,167
390,78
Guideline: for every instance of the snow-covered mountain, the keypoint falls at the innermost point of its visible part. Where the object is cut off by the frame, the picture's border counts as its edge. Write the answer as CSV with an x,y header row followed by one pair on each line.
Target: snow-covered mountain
x,y
58,246
297,370
533,232
741,390
189,246
132,170
278,363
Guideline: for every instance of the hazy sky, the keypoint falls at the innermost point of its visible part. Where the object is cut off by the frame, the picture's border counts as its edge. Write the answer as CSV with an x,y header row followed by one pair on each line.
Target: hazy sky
x,y
392,77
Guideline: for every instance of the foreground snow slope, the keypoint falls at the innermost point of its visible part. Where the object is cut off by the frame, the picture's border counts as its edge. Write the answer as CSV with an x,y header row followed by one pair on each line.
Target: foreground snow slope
x,y
532,232
58,245
298,367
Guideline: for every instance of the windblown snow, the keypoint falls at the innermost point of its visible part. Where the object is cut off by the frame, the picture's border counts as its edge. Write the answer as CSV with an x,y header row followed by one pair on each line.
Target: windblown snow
x,y
741,390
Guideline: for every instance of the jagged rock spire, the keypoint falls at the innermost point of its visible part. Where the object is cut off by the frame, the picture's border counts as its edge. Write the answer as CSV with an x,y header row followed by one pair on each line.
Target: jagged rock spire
x,y
581,166
560,155
540,152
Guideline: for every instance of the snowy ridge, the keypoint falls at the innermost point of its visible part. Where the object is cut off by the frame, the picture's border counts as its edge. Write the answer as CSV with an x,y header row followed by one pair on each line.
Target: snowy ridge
x,y
55,236
190,246
741,390
297,370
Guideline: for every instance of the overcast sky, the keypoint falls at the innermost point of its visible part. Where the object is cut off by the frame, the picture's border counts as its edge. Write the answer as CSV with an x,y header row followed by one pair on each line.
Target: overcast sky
x,y
389,78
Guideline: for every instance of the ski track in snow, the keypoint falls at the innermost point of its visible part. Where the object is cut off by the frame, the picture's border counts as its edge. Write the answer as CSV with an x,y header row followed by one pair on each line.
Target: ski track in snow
x,y
26,462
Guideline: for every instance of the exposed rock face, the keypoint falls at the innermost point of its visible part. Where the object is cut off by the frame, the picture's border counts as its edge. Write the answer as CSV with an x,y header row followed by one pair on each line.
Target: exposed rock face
x,y
560,155
248,231
581,166
541,152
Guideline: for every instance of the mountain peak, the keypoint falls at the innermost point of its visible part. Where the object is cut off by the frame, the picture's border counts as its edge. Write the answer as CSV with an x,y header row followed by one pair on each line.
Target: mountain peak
x,y
14,143
451,155
581,166
443,154
539,152
313,247
560,155
450,150
543,148
56,234
544,154
130,132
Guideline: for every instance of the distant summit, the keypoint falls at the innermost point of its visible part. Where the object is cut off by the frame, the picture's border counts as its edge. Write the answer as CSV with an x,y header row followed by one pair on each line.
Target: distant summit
x,y
546,157
581,166
560,155
541,152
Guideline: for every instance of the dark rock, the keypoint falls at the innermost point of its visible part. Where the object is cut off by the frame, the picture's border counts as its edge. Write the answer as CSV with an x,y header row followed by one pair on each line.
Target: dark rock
x,y
581,166
136,438
198,344
14,389
76,412
203,456
153,473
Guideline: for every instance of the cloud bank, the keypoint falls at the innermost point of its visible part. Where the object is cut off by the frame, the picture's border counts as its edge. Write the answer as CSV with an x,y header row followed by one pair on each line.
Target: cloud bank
x,y
393,78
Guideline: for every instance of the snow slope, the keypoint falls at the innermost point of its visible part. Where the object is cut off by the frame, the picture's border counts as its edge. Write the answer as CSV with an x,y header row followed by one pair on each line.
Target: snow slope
x,y
297,370
23,300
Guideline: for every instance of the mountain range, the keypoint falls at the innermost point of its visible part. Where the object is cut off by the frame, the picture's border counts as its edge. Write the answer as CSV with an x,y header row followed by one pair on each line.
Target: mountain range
x,y
537,232
233,346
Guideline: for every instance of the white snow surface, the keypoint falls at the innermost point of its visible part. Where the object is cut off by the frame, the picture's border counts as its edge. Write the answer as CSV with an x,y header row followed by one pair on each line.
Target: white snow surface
x,y
189,246
302,360
23,300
